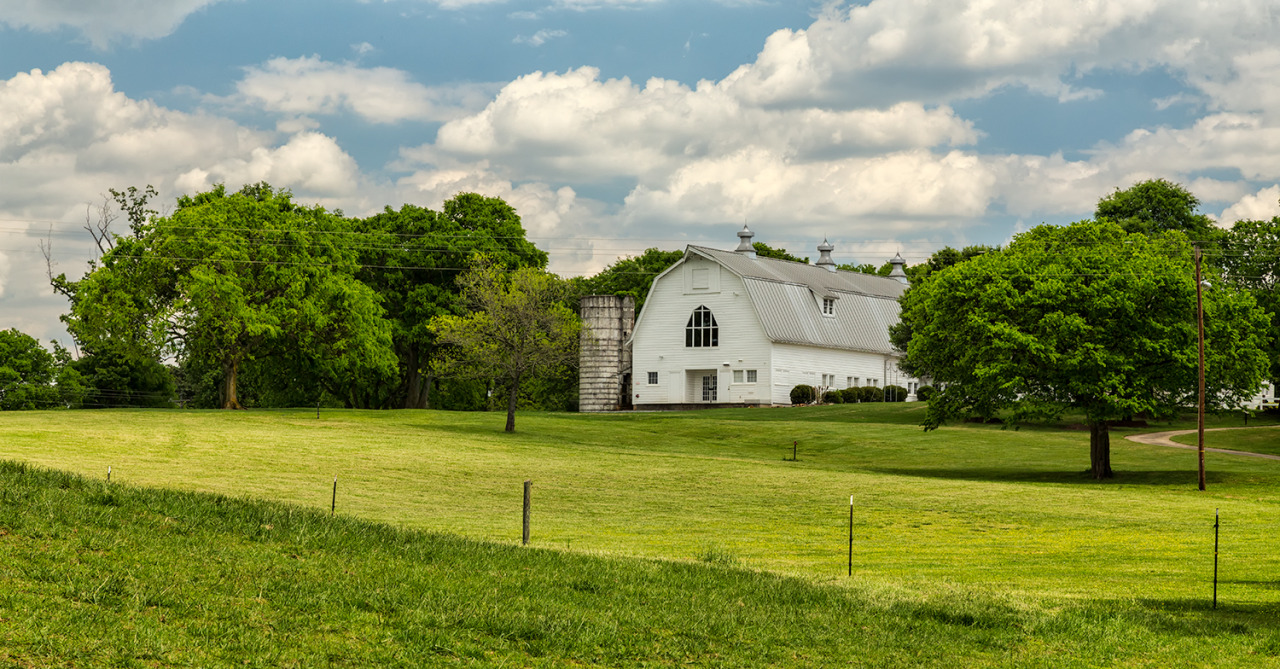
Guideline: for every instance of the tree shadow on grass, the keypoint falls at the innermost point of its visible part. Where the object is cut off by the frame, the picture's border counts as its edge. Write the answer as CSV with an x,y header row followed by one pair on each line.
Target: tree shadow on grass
x,y
1230,613
1177,477
1269,585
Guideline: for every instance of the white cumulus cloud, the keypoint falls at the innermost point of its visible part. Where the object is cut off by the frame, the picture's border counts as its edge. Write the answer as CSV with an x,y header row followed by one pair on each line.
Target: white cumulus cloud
x,y
1260,206
576,126
67,136
102,21
310,85
891,50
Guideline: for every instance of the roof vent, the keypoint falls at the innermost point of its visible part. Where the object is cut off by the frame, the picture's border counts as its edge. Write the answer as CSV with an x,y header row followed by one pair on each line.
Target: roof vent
x,y
824,260
897,272
744,243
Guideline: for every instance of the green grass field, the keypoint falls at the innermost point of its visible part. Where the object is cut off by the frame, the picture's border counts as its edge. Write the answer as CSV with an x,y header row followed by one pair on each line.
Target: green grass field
x,y
1004,519
114,575
1254,441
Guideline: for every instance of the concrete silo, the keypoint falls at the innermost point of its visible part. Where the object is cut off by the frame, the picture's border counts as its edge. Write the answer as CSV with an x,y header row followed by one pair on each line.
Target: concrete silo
x,y
604,372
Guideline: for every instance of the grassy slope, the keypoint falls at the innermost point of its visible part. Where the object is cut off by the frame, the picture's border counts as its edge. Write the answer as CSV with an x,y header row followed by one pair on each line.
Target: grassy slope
x,y
113,575
1254,441
968,512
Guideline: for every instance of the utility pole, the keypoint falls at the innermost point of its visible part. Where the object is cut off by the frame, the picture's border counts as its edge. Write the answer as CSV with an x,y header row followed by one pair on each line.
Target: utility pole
x,y
1200,327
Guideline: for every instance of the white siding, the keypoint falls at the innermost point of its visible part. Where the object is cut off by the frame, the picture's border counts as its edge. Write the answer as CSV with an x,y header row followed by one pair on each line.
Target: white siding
x,y
794,364
659,338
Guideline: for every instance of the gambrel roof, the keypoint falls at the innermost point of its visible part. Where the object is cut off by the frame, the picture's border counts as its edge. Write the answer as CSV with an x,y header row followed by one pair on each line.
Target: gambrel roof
x,y
786,296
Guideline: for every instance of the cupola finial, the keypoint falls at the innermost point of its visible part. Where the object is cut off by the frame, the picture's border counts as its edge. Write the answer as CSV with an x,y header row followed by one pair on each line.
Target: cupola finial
x,y
824,258
744,242
897,272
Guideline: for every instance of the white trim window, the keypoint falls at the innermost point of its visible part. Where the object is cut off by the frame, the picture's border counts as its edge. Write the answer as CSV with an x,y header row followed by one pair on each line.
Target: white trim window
x,y
653,378
737,376
828,306
701,330
751,376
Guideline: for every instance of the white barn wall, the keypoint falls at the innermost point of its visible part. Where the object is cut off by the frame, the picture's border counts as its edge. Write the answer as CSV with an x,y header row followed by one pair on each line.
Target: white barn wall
x,y
659,338
794,365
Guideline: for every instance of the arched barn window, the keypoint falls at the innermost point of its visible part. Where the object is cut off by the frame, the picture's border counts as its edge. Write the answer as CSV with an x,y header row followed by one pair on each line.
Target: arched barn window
x,y
702,329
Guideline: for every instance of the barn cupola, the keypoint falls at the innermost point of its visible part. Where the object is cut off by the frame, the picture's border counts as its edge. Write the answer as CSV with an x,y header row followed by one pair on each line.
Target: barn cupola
x,y
744,243
824,259
897,272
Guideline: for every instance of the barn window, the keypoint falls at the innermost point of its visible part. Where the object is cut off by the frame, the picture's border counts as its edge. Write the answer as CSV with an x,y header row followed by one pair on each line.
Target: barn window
x,y
751,376
829,306
653,378
701,329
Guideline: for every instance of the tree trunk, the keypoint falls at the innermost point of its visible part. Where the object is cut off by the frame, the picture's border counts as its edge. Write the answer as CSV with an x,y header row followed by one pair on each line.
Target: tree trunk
x,y
413,380
511,404
1100,450
230,367
418,385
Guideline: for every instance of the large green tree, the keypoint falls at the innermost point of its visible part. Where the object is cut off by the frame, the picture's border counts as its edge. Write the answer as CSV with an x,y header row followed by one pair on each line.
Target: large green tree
x,y
518,327
31,377
114,307
232,278
412,258
1249,257
1085,317
1157,206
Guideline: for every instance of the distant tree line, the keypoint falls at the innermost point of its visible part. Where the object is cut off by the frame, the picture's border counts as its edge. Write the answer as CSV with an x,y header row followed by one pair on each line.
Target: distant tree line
x,y
250,299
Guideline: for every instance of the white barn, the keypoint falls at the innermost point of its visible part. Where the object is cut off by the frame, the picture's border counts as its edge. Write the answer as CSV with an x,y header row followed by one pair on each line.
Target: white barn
x,y
730,328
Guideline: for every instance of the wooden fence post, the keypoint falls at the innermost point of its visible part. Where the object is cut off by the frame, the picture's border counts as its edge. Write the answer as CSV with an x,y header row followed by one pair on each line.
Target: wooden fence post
x,y
528,502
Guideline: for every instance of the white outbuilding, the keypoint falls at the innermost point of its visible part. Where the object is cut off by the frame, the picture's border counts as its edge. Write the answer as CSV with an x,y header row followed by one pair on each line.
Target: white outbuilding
x,y
731,328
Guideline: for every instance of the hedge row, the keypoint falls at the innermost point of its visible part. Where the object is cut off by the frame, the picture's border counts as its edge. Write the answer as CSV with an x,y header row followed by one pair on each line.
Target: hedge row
x,y
805,394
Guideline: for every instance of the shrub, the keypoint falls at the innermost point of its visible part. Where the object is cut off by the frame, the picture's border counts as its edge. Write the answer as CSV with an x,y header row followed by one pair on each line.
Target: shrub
x,y
894,393
923,393
870,394
803,394
849,395
833,397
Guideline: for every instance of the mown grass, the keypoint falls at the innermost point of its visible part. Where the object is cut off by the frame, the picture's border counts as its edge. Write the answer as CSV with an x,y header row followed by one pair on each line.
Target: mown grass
x,y
1004,518
117,575
967,504
1254,441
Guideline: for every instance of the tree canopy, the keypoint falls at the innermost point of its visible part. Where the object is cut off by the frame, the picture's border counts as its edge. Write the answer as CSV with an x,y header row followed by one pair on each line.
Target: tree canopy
x,y
632,275
412,258
1249,257
230,278
33,378
1157,206
765,251
518,328
1085,317
941,259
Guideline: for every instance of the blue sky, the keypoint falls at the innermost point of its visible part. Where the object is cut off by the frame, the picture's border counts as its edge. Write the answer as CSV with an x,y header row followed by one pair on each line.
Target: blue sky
x,y
614,125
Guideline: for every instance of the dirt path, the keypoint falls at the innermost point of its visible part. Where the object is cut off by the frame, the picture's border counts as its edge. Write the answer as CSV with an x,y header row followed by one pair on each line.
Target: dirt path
x,y
1165,439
